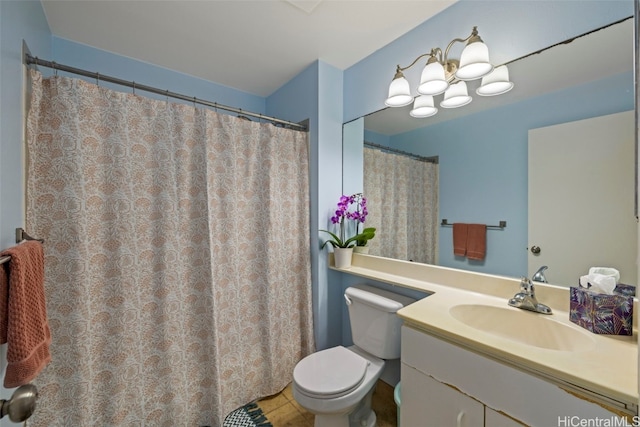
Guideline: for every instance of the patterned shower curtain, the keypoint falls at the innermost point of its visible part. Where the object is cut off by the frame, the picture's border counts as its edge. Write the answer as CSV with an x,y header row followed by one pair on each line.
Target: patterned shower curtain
x,y
402,199
177,257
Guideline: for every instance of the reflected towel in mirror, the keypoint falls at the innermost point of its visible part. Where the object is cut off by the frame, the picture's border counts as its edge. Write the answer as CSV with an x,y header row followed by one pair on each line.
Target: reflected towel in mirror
x,y
476,241
459,239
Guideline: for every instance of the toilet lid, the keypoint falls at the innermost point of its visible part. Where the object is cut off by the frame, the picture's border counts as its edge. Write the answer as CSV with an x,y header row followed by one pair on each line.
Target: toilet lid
x,y
330,373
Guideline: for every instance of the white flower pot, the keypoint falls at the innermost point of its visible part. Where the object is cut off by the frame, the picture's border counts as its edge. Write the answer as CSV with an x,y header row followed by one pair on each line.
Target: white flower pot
x,y
342,257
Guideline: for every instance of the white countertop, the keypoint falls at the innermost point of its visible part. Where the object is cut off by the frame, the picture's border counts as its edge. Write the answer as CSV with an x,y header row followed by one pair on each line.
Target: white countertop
x,y
607,369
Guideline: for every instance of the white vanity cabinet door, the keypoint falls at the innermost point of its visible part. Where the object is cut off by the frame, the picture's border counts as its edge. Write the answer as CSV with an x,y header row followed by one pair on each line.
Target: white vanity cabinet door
x,y
427,402
496,419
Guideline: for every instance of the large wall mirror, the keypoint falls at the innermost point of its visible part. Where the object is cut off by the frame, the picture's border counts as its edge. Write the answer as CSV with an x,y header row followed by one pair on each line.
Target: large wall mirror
x,y
481,153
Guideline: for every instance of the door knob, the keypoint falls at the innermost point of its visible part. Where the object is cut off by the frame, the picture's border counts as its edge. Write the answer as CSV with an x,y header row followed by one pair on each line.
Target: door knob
x,y
535,250
21,404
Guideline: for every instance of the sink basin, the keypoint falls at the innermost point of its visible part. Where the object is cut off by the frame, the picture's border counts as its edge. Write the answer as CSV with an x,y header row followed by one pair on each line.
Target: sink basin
x,y
523,326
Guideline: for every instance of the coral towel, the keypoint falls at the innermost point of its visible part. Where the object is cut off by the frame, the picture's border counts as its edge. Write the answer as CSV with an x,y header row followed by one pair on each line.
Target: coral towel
x,y
476,241
459,239
23,314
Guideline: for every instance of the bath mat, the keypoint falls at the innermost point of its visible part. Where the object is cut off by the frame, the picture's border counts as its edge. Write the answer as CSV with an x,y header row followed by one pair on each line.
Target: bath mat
x,y
247,416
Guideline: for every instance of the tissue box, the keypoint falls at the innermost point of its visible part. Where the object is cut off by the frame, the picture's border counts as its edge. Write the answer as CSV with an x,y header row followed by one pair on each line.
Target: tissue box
x,y
601,313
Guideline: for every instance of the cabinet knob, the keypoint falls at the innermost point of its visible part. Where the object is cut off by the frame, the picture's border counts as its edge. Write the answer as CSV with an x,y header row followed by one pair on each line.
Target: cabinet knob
x,y
535,250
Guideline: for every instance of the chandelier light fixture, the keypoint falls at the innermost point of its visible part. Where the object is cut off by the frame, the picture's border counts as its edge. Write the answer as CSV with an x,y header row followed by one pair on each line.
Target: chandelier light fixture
x,y
442,74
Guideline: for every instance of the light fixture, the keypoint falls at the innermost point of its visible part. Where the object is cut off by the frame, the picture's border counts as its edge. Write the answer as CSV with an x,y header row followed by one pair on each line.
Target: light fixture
x,y
442,74
495,83
456,96
399,91
423,107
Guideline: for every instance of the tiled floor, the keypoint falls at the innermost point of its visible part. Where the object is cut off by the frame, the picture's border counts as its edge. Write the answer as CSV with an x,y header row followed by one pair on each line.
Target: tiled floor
x,y
283,411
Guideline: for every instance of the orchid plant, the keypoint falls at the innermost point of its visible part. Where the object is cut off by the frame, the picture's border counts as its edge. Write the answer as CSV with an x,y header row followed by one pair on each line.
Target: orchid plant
x,y
358,214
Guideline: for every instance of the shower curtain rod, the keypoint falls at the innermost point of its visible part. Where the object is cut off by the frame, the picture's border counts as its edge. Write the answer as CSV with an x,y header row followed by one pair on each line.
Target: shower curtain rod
x,y
433,159
51,64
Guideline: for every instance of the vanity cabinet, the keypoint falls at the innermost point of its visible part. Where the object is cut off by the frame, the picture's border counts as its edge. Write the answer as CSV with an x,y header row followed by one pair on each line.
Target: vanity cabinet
x,y
444,384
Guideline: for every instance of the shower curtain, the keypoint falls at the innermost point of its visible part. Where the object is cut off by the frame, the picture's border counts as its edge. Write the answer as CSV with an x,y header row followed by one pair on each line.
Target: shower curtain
x,y
402,199
177,256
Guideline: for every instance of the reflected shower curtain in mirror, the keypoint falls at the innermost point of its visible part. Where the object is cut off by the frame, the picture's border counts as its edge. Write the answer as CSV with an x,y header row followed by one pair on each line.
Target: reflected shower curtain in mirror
x,y
177,256
402,198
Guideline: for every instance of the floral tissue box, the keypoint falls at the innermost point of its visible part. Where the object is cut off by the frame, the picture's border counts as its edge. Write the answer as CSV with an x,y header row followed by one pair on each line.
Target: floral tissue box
x,y
601,313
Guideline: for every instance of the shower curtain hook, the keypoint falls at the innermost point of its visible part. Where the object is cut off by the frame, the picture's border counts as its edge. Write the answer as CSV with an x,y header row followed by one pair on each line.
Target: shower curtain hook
x,y
194,102
54,65
97,79
134,87
167,95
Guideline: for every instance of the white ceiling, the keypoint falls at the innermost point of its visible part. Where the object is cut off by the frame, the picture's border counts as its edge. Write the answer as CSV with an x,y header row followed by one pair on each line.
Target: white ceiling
x,y
255,46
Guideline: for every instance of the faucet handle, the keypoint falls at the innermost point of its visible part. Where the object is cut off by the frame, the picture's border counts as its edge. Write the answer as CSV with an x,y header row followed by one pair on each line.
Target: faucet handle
x,y
538,276
526,286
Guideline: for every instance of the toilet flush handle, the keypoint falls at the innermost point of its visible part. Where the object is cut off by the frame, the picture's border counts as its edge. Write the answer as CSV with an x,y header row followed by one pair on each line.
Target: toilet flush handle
x,y
349,302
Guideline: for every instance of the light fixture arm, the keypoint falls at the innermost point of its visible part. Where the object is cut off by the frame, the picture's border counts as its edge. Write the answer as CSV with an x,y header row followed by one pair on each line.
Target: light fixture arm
x,y
437,55
474,35
449,76
400,69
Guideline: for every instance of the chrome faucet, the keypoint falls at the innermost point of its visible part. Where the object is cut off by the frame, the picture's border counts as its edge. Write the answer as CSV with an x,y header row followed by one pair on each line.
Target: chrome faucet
x,y
538,276
526,298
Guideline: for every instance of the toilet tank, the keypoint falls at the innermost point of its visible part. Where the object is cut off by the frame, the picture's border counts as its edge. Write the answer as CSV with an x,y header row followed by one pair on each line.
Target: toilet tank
x,y
375,326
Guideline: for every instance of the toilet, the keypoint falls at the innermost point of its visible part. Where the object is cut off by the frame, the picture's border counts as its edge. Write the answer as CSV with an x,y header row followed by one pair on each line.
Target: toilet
x,y
336,384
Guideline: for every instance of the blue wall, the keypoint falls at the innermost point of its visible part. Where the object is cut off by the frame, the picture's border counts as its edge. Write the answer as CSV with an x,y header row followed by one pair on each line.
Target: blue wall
x,y
19,20
483,165
316,93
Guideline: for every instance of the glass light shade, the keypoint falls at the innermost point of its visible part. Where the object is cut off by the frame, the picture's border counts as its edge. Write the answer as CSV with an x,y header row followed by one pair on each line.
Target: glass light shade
x,y
474,62
456,96
423,107
432,80
399,93
495,83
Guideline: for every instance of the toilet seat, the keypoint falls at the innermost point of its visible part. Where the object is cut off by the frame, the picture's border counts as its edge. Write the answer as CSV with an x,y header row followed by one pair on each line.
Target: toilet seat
x,y
330,373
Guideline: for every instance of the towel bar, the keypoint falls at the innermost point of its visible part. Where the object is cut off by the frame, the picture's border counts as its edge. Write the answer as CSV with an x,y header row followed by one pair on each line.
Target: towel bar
x,y
503,224
20,236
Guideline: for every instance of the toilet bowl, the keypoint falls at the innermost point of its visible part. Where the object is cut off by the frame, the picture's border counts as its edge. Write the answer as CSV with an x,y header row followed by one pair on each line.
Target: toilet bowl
x,y
336,384
333,397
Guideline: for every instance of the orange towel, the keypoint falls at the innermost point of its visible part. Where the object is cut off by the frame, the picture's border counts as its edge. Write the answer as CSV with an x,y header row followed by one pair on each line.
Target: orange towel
x,y
459,239
23,314
4,301
476,241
